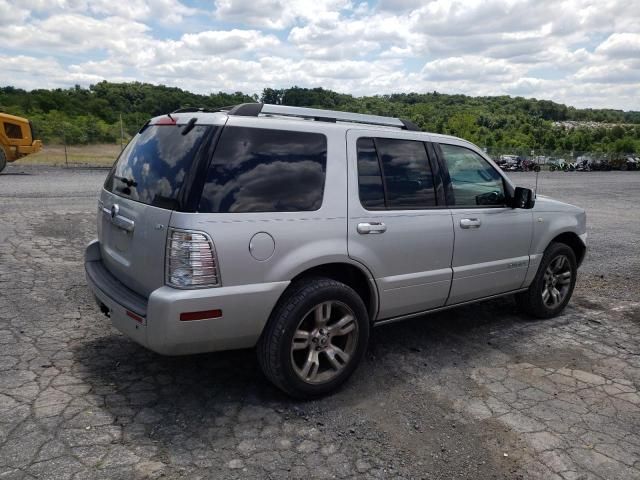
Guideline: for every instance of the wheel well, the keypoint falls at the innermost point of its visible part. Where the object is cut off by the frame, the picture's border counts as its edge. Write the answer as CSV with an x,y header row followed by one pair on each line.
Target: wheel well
x,y
349,275
573,241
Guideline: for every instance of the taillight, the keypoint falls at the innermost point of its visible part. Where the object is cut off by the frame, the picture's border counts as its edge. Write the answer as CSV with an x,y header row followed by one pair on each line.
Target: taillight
x,y
190,261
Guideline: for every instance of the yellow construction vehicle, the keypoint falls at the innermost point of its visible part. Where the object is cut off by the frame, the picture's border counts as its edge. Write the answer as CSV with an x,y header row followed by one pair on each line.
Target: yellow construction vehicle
x,y
16,139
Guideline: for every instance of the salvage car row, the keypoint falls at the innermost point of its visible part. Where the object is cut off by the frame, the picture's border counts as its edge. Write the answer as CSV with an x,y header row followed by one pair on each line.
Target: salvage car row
x,y
583,163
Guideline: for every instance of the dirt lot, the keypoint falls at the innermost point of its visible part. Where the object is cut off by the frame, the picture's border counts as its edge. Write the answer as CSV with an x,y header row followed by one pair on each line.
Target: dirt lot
x,y
479,393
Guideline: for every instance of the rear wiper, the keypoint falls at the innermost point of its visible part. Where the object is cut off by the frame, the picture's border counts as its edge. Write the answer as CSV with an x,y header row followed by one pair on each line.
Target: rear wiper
x,y
129,182
189,126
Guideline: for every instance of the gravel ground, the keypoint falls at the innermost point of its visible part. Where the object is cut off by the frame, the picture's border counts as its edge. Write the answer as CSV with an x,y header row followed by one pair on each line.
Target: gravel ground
x,y
480,392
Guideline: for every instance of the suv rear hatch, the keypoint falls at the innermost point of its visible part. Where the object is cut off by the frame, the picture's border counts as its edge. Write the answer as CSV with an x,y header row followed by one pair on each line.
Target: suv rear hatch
x,y
148,181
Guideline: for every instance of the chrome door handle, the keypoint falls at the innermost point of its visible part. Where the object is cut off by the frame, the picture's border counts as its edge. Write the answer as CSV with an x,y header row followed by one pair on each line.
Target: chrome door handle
x,y
371,227
470,223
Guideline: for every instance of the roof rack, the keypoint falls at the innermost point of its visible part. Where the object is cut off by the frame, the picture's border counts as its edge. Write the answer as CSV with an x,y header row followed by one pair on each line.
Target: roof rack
x,y
227,108
193,109
255,109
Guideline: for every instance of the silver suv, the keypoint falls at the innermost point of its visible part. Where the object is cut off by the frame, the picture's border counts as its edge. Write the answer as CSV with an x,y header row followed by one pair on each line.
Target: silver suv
x,y
296,230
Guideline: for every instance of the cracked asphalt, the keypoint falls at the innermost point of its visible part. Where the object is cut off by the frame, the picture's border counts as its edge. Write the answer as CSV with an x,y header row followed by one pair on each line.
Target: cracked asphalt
x,y
479,393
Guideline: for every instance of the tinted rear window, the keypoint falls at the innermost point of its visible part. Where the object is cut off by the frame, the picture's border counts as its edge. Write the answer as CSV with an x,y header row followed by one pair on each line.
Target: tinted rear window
x,y
152,168
261,170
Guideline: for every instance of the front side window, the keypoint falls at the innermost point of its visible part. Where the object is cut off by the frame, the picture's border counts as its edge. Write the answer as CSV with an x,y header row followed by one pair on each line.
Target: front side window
x,y
394,174
261,170
12,130
474,181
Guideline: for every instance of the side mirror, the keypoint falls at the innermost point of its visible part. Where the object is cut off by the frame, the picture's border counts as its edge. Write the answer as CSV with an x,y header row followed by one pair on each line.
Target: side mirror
x,y
523,198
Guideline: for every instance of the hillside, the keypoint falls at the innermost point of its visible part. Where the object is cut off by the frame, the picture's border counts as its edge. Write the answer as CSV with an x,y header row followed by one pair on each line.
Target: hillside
x,y
92,115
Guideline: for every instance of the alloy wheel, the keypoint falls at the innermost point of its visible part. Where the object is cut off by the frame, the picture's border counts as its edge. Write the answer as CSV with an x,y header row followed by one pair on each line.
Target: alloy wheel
x,y
557,281
324,342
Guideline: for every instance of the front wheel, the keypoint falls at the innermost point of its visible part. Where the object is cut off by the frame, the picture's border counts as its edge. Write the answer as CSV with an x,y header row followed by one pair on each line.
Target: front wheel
x,y
315,338
553,285
3,159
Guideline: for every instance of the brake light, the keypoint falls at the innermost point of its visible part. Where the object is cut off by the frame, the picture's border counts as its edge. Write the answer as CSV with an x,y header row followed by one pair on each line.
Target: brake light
x,y
168,120
190,260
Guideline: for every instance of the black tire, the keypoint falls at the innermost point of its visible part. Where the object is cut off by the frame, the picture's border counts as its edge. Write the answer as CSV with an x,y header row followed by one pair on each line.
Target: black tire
x,y
3,160
275,353
531,302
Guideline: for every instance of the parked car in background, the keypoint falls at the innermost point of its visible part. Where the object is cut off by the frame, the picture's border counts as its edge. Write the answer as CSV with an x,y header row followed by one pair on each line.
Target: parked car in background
x,y
600,165
581,164
297,230
627,162
508,161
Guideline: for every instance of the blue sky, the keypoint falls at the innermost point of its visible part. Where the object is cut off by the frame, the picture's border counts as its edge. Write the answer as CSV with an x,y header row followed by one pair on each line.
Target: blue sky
x,y
580,52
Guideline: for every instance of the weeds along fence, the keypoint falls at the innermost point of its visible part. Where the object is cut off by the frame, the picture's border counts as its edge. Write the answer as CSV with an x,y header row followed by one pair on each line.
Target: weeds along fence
x,y
104,154
98,155
72,147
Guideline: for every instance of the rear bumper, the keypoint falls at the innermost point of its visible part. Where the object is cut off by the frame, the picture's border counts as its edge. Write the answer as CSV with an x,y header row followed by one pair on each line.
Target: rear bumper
x,y
35,147
155,323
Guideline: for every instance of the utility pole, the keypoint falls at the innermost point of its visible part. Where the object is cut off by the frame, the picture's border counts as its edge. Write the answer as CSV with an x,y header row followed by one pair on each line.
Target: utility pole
x,y
121,133
64,140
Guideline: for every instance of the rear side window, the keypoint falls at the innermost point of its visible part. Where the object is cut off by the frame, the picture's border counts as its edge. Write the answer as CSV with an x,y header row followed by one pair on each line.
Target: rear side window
x,y
12,130
152,168
394,174
262,170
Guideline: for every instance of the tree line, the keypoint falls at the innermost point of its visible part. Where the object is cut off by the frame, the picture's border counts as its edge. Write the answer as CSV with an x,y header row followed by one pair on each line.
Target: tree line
x,y
80,115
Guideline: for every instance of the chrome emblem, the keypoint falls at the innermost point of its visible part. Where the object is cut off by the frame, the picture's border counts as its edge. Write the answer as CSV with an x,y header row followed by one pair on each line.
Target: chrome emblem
x,y
114,210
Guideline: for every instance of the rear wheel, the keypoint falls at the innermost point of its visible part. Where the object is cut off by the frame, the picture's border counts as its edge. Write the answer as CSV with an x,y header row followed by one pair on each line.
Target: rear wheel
x,y
315,338
553,285
3,160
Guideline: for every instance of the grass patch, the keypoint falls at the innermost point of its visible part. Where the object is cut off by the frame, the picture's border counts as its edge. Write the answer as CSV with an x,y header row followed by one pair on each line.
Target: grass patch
x,y
102,155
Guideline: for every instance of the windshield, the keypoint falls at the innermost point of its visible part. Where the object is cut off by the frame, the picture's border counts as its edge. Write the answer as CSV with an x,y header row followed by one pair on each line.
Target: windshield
x,y
153,166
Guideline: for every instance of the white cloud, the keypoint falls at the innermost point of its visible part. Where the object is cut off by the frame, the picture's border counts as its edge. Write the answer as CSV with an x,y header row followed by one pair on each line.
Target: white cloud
x,y
9,14
278,14
621,45
166,11
74,33
355,37
606,74
469,68
220,42
582,52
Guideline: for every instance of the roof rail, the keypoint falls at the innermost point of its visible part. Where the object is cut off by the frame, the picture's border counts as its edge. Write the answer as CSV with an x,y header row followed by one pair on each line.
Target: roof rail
x,y
194,109
255,109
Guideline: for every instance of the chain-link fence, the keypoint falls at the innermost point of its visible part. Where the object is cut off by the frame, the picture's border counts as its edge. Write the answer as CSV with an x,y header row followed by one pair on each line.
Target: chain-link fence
x,y
104,154
99,155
